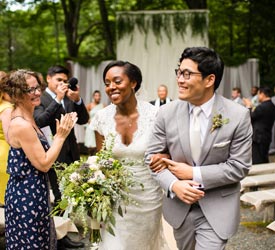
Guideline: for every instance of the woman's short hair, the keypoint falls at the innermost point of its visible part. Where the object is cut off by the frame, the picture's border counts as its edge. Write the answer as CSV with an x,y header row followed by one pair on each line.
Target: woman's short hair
x,y
131,70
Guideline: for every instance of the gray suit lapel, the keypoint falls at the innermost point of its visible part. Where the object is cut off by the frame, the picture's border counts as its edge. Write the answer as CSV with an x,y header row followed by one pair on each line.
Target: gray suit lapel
x,y
183,129
210,136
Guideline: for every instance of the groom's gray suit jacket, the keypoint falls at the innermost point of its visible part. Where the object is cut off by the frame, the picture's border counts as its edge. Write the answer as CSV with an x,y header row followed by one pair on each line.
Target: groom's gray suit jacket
x,y
225,160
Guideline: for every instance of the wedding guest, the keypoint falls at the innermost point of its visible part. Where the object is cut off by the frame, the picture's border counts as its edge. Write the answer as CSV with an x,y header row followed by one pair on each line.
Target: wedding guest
x,y
27,208
254,96
209,140
262,119
5,113
57,100
92,108
236,95
162,96
130,121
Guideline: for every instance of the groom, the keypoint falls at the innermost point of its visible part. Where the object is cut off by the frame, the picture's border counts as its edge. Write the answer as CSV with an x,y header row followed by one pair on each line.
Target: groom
x,y
202,179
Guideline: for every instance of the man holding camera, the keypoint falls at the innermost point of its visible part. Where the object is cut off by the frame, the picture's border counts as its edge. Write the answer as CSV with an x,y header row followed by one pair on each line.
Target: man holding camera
x,y
61,97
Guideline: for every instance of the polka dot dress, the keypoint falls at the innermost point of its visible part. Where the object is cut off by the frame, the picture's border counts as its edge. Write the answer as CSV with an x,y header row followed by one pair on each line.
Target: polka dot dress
x,y
28,224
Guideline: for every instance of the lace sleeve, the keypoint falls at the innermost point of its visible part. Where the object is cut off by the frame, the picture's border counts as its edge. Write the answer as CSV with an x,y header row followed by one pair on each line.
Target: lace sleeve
x,y
96,123
102,121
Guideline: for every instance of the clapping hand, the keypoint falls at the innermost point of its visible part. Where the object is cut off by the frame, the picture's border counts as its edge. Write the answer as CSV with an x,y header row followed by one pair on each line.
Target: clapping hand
x,y
66,123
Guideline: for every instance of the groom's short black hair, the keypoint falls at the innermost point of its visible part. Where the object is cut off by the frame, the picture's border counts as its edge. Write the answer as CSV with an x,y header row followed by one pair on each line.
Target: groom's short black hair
x,y
209,62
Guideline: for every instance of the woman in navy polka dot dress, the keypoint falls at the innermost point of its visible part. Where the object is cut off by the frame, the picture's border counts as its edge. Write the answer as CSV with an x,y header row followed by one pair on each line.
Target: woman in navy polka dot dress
x,y
27,205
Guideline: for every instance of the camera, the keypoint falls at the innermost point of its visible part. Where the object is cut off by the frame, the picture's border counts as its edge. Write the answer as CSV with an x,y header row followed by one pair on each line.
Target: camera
x,y
72,83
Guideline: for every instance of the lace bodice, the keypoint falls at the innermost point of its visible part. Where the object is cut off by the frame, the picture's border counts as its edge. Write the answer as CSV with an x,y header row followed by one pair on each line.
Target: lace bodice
x,y
105,124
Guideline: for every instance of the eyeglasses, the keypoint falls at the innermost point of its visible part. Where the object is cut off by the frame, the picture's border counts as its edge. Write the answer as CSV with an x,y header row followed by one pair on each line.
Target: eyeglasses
x,y
185,73
32,90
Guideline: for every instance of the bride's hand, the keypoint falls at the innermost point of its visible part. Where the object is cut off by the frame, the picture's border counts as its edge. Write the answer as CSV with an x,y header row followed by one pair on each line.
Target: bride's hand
x,y
181,170
157,164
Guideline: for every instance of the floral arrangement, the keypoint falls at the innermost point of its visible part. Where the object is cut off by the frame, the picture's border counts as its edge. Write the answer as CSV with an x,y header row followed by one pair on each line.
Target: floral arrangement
x,y
94,188
218,122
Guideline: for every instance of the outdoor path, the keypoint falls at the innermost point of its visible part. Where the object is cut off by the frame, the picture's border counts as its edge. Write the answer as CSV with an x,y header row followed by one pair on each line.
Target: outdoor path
x,y
252,237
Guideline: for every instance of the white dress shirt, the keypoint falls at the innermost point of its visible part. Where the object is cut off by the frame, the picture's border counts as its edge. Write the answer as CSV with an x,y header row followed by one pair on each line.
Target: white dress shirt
x,y
204,117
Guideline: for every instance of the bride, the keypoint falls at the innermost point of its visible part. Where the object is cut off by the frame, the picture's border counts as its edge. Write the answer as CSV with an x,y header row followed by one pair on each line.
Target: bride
x,y
131,120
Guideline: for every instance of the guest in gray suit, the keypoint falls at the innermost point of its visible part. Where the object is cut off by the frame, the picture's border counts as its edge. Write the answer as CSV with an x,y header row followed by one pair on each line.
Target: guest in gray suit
x,y
202,181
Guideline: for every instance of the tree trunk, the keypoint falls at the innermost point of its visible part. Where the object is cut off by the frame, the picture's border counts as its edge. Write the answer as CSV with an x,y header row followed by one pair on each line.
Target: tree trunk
x,y
56,32
106,29
71,9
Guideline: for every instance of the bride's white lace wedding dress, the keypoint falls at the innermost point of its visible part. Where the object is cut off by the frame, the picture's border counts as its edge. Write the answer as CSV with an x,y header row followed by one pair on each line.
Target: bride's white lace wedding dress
x,y
141,227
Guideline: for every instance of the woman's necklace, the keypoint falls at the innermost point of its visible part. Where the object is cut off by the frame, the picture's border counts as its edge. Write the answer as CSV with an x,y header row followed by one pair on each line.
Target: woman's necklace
x,y
128,120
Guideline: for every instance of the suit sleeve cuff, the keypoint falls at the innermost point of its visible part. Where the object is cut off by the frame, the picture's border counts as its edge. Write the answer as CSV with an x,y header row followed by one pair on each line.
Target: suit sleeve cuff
x,y
79,102
57,101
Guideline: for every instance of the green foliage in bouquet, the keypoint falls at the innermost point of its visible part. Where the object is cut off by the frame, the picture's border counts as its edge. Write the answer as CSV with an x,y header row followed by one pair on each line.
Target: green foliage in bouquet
x,y
95,187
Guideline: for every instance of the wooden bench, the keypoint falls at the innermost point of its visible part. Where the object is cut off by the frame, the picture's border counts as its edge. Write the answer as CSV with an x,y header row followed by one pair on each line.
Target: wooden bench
x,y
261,200
253,182
265,168
271,226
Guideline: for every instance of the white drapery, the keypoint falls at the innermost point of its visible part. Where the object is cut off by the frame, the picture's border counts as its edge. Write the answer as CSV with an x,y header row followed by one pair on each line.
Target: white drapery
x,y
158,61
243,76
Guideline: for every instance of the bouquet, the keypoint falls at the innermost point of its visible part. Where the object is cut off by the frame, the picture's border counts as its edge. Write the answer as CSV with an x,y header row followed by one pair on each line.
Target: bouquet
x,y
95,187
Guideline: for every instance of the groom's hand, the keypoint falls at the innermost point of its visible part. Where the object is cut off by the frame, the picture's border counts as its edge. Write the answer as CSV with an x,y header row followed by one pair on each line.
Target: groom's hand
x,y
157,164
185,191
181,170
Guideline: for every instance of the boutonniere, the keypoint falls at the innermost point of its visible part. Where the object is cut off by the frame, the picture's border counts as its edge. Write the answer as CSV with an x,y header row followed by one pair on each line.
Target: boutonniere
x,y
218,121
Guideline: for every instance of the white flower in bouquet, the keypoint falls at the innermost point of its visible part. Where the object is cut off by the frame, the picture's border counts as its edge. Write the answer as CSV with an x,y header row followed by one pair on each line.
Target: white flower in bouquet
x,y
74,177
94,167
92,160
99,174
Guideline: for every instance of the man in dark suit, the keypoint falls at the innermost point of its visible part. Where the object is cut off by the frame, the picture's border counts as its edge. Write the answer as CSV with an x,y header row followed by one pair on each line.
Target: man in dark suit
x,y
262,119
56,100
162,96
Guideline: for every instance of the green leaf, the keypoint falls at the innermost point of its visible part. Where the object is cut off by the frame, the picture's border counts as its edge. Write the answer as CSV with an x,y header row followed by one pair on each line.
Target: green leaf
x,y
104,214
112,220
99,215
120,211
110,230
63,204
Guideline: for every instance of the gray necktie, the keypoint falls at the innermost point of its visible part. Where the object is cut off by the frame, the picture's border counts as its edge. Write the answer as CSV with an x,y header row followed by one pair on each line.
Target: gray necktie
x,y
195,137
